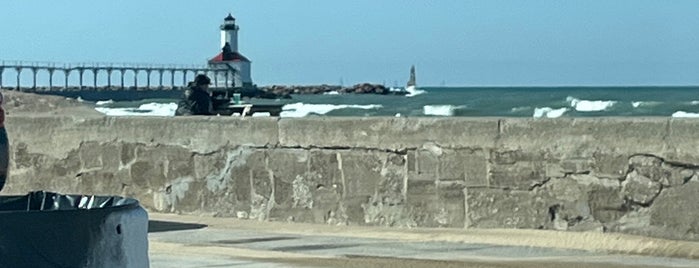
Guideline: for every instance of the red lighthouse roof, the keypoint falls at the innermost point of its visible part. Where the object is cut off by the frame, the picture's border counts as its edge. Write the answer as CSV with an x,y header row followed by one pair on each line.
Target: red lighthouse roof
x,y
236,57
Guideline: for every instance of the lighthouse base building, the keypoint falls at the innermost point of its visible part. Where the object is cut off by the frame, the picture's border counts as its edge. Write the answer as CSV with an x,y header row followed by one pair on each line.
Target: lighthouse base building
x,y
234,67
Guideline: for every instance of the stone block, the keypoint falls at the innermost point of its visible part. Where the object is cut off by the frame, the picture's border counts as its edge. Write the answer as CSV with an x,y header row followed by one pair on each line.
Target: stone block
x,y
148,173
287,164
568,204
466,165
451,199
606,203
362,171
111,156
610,165
128,152
101,183
353,207
682,140
307,199
200,134
427,162
423,202
411,159
518,176
387,133
676,210
324,165
577,165
509,157
582,136
91,155
23,158
676,175
495,208
180,163
262,194
69,166
640,189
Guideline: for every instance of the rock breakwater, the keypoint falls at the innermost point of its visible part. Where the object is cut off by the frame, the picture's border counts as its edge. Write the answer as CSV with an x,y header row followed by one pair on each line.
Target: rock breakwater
x,y
363,88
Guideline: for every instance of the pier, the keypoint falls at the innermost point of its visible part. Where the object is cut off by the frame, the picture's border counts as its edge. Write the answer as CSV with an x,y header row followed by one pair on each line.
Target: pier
x,y
157,76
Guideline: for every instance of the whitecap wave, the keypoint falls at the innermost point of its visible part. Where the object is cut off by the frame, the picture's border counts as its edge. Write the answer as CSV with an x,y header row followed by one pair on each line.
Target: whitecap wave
x,y
683,114
440,110
588,105
413,91
301,109
100,103
520,109
549,112
694,102
637,104
148,109
331,93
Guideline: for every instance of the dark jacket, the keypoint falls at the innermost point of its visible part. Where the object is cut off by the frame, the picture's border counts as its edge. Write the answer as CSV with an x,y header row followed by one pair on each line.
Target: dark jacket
x,y
195,101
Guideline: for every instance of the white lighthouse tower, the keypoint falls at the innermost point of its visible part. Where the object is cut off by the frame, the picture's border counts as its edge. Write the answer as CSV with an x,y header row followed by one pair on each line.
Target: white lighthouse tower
x,y
230,59
229,33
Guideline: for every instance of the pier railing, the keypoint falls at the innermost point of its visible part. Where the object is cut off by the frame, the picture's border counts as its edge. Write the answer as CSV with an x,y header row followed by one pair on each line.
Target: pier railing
x,y
109,70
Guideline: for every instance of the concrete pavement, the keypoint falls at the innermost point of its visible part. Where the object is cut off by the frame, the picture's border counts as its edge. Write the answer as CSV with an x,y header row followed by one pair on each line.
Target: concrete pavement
x,y
192,241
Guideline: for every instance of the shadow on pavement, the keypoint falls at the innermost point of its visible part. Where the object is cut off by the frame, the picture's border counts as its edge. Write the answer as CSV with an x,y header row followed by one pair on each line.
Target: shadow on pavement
x,y
314,247
256,240
167,226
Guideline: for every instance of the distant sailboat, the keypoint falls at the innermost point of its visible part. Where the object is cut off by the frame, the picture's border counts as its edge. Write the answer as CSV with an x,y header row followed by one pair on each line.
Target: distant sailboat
x,y
411,87
411,82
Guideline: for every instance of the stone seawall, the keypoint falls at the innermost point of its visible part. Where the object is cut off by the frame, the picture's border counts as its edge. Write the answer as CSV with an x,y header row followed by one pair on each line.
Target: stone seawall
x,y
631,175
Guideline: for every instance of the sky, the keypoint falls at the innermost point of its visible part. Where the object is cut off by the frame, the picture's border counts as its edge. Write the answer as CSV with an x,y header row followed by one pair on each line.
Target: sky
x,y
309,42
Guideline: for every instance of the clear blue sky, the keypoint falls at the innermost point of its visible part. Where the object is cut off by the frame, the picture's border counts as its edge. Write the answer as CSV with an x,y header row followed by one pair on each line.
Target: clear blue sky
x,y
451,42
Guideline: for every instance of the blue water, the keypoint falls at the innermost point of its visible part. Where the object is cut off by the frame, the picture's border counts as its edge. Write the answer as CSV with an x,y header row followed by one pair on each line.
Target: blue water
x,y
521,101
503,101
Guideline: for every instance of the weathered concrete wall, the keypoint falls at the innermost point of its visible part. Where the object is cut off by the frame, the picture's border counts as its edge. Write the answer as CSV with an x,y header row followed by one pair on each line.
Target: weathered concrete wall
x,y
627,175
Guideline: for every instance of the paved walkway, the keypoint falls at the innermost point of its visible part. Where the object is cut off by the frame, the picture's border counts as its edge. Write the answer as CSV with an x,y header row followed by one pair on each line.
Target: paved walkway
x,y
186,241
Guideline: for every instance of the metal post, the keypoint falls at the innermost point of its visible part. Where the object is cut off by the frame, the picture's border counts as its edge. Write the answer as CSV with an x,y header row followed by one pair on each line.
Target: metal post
x,y
172,78
81,71
160,72
215,78
148,78
51,78
109,78
135,78
184,78
94,76
121,73
66,73
34,73
2,70
19,71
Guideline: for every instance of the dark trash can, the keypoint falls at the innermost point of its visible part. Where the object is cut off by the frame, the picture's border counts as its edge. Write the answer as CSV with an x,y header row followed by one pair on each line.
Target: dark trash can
x,y
44,229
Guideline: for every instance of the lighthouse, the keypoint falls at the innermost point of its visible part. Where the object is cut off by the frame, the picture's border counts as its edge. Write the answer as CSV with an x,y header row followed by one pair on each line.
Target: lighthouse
x,y
230,60
229,32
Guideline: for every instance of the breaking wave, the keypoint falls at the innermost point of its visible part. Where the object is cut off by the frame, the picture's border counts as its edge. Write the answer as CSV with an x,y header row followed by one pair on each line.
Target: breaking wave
x,y
100,103
148,109
588,105
683,114
440,110
301,109
413,91
549,112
